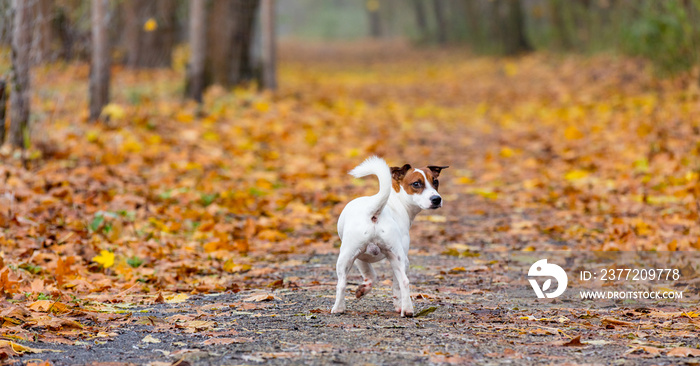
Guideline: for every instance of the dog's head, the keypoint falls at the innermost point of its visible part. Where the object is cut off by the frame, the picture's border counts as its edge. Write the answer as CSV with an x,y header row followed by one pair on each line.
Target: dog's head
x,y
420,185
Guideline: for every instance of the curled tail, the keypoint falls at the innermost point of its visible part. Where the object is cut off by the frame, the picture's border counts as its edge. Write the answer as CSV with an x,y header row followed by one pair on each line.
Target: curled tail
x,y
377,166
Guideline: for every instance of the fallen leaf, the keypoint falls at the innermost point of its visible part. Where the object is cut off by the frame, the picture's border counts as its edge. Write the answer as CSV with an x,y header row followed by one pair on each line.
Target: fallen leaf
x,y
575,342
425,311
683,352
150,339
222,341
262,297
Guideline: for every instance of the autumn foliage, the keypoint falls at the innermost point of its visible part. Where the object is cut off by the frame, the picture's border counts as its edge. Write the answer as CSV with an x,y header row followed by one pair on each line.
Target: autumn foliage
x,y
169,198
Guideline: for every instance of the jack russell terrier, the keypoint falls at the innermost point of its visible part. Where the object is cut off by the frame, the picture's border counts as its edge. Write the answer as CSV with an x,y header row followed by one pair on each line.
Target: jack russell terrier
x,y
376,227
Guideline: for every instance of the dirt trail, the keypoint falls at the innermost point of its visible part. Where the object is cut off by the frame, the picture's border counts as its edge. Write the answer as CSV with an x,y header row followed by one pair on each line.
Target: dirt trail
x,y
467,318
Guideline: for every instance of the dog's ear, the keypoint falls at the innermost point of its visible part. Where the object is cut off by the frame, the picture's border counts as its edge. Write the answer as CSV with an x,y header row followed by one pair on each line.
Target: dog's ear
x,y
398,173
436,169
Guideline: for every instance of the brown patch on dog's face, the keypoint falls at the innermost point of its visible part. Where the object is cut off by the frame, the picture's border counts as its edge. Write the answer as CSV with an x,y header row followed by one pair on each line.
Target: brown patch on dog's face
x,y
413,182
397,176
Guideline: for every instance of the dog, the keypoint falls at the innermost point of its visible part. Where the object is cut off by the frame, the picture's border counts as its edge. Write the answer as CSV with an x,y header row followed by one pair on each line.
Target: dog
x,y
376,227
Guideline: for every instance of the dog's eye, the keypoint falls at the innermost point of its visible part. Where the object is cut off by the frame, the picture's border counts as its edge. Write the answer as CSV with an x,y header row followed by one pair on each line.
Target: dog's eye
x,y
436,183
416,185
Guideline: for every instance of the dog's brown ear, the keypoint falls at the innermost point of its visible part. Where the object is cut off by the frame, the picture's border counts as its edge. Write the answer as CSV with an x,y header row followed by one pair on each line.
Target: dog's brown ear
x,y
436,169
398,173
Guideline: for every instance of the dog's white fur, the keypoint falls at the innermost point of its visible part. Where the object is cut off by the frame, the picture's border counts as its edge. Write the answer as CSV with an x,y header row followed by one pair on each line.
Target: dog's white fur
x,y
376,227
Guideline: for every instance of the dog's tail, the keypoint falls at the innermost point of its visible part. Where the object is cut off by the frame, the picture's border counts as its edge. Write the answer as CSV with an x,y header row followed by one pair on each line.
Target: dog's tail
x,y
377,166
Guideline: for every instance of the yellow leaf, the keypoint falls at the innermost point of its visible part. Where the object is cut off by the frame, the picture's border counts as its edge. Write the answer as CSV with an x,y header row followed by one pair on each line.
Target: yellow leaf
x,y
262,106
436,218
150,25
105,258
507,152
573,133
18,348
176,299
92,136
230,266
576,175
484,192
113,111
372,5
510,68
464,180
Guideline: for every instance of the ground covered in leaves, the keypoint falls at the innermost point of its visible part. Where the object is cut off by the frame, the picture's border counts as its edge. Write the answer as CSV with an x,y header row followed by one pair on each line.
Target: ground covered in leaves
x,y
169,219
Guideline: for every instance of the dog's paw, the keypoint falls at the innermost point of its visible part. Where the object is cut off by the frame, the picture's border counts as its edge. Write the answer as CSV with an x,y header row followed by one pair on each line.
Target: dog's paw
x,y
338,310
407,311
363,290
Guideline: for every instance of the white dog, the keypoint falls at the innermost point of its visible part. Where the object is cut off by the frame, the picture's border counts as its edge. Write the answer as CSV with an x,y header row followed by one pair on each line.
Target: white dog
x,y
376,227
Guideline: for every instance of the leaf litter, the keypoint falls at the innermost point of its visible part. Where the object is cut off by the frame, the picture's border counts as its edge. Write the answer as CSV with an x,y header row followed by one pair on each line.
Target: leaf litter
x,y
136,222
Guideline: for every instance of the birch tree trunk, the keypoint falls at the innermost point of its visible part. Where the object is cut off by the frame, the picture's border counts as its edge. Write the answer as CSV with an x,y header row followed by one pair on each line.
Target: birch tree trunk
x,y
3,95
269,44
21,48
195,80
99,68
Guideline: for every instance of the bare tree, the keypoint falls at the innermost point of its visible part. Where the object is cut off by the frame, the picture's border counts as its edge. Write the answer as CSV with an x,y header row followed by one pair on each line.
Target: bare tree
x,y
149,32
269,44
3,103
229,37
100,65
19,97
441,21
375,20
195,79
43,32
421,20
516,41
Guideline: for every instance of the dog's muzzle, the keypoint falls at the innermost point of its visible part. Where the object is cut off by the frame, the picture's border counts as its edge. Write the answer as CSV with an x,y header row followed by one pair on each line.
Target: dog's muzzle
x,y
435,201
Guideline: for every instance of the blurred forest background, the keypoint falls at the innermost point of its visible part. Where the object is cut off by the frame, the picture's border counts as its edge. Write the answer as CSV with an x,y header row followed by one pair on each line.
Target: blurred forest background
x,y
159,33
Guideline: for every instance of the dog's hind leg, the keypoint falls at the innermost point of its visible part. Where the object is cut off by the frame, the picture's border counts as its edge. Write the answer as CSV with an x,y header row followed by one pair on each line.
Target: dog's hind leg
x,y
368,276
342,267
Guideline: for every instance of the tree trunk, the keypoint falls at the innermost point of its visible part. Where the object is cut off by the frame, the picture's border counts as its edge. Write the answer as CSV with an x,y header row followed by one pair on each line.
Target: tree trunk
x,y
514,39
100,65
375,21
269,44
229,36
43,32
440,21
517,19
473,17
149,32
195,81
21,49
3,104
242,69
562,36
421,21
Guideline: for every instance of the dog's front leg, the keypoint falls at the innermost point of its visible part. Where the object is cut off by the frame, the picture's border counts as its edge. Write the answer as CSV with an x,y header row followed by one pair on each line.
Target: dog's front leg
x,y
398,266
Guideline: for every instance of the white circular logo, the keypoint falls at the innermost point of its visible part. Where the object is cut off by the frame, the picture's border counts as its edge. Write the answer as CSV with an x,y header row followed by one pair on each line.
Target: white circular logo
x,y
543,269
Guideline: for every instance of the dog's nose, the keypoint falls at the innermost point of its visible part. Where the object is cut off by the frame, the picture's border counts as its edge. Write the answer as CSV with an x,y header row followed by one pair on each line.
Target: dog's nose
x,y
435,200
